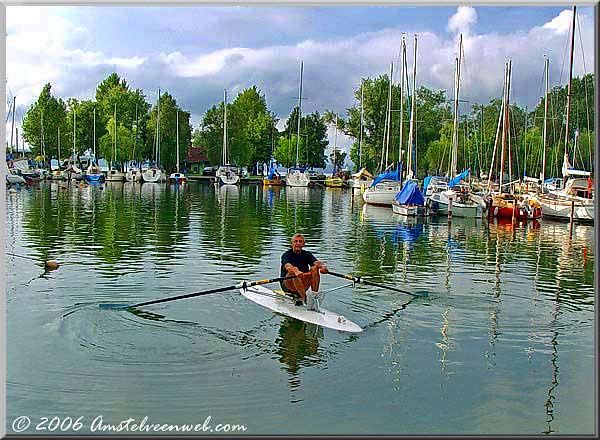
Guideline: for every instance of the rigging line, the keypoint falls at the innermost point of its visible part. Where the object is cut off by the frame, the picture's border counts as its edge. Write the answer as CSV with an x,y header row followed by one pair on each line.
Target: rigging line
x,y
587,107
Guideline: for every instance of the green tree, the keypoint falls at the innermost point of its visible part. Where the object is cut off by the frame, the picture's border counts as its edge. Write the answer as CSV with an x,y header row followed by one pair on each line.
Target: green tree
x,y
285,151
47,115
169,111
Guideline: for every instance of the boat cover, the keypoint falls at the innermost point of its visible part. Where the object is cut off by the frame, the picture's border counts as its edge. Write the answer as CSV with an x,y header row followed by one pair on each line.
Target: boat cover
x,y
428,179
410,195
273,172
457,179
390,175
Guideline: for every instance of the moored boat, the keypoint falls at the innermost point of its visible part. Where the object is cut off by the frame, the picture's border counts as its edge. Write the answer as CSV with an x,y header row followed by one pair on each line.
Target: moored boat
x,y
409,201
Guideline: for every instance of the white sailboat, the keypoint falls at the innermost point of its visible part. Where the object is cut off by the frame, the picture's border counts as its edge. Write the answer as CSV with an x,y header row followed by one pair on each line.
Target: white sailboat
x,y
133,173
451,198
334,181
575,202
177,177
297,176
154,174
93,172
114,175
362,179
226,174
387,184
72,172
409,201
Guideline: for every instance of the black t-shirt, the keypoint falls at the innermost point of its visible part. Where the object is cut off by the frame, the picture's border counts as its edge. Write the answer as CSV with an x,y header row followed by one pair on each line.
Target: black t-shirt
x,y
303,261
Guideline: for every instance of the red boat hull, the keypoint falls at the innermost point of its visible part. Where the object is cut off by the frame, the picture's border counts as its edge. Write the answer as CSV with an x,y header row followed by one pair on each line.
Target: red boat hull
x,y
520,213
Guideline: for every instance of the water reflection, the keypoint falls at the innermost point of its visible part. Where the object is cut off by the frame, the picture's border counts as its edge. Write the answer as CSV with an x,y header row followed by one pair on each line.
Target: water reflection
x,y
298,344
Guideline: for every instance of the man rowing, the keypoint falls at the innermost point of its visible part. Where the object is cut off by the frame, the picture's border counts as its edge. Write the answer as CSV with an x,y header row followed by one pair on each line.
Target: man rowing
x,y
295,262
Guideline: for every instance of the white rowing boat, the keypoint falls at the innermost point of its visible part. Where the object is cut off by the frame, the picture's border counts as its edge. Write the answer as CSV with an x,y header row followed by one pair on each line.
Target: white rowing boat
x,y
281,303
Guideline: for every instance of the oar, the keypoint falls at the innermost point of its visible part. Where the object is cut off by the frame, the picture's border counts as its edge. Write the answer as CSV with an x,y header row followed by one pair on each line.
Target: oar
x,y
358,279
243,284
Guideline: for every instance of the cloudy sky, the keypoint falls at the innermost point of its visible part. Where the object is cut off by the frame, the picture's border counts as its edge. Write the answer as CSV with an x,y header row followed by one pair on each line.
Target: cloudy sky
x,y
194,52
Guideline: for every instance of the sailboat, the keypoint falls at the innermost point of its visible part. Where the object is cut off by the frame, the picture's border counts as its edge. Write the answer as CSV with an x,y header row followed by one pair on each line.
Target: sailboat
x,y
387,184
93,172
72,172
362,178
334,180
177,177
575,201
114,175
409,201
134,174
226,174
450,197
298,176
510,205
154,174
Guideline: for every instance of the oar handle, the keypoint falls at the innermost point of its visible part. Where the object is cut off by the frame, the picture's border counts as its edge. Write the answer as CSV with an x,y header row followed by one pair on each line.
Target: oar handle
x,y
358,279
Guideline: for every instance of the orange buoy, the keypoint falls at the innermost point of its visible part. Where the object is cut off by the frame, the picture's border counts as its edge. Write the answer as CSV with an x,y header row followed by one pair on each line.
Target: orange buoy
x,y
51,265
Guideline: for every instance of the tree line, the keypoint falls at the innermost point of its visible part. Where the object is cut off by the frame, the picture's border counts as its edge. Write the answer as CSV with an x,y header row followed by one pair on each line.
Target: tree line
x,y
253,136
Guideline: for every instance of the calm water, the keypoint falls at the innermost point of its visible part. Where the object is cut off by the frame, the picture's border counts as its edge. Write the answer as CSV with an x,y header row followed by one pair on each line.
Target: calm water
x,y
503,344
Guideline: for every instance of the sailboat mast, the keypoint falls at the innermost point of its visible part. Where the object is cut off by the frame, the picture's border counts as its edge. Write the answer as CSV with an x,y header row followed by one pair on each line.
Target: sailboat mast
x,y
456,97
59,146
115,139
136,131
225,127
389,117
413,104
335,145
12,129
95,159
299,112
542,174
569,86
361,127
74,123
158,130
177,128
402,73
504,125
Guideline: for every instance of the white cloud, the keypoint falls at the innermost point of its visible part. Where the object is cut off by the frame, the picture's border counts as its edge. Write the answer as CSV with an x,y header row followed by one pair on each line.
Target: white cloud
x,y
561,24
42,47
464,18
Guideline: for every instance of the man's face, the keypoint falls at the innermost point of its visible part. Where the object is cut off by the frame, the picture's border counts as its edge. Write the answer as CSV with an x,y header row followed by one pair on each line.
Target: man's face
x,y
297,244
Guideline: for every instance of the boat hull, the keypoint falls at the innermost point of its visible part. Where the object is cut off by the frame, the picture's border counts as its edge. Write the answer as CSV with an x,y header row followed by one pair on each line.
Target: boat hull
x,y
272,182
382,194
94,178
334,182
152,175
114,176
516,207
439,204
177,178
297,178
561,208
284,305
133,175
410,210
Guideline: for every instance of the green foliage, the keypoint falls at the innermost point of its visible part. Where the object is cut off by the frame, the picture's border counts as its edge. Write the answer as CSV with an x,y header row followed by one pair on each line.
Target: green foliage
x,y
285,151
252,136
48,115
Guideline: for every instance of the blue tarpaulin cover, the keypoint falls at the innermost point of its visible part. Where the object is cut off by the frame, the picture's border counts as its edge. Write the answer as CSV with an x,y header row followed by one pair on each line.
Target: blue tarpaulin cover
x,y
410,195
390,175
273,172
457,179
427,180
